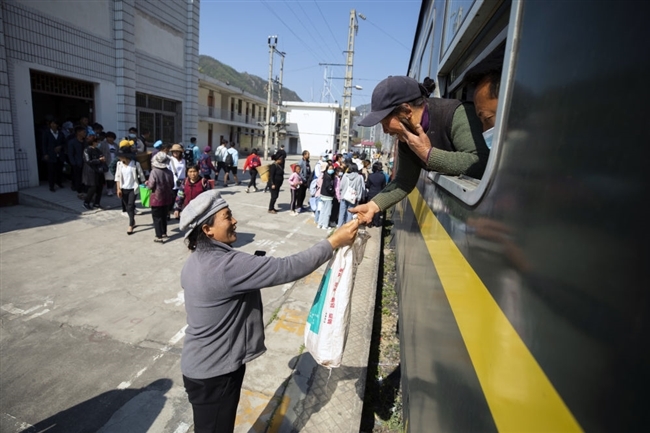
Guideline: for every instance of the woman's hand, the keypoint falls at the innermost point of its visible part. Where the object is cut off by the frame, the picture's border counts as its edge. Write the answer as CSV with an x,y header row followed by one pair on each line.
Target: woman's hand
x,y
365,212
344,235
119,193
418,142
272,186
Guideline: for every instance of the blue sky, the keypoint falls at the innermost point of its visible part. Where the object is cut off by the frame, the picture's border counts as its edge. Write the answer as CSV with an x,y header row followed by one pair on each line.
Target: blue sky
x,y
310,32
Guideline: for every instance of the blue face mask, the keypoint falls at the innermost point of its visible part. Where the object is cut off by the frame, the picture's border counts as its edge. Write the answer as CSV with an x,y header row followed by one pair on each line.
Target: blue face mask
x,y
132,135
487,136
330,171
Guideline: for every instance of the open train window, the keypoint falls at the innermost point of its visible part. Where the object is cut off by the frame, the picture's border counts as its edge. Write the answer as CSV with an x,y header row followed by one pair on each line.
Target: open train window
x,y
487,31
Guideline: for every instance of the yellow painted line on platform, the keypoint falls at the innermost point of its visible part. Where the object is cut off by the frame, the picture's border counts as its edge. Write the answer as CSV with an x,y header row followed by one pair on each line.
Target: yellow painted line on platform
x,y
518,392
278,416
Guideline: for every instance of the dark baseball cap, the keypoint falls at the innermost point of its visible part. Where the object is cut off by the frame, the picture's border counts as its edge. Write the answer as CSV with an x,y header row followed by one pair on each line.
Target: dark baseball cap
x,y
390,93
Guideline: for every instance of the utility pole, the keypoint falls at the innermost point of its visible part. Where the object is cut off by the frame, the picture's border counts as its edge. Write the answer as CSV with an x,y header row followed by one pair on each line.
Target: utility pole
x,y
344,136
278,116
273,41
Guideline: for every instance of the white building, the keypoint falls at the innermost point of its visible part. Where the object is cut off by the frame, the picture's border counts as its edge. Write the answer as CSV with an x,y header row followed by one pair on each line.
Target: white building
x,y
121,63
229,112
312,126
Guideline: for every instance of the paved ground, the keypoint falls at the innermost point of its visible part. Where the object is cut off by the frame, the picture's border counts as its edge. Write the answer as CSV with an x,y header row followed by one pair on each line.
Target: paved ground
x,y
92,322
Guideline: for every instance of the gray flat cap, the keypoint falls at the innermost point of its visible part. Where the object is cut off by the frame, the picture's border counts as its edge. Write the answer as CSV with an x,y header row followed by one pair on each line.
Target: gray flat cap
x,y
199,210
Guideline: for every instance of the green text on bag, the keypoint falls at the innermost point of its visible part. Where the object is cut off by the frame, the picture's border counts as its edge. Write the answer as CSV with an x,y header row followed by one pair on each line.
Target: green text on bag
x,y
314,319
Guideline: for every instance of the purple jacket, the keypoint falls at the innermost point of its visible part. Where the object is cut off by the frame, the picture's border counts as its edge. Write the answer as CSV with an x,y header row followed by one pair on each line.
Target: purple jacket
x,y
161,184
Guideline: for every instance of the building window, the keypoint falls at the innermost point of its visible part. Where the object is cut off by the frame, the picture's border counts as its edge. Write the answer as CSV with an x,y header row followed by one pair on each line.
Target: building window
x,y
159,116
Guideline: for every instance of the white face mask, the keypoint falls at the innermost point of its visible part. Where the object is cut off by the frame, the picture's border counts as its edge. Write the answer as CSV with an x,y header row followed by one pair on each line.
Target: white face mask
x,y
487,136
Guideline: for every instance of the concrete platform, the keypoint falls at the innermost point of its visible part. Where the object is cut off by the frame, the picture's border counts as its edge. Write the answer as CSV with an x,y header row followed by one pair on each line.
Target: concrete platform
x,y
284,390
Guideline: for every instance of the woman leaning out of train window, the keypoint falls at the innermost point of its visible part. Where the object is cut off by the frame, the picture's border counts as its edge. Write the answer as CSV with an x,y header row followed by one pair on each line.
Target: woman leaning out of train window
x,y
435,134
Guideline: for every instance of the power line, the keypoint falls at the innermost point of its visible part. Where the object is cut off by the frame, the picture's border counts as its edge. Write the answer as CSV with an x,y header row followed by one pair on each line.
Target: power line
x,y
311,51
328,26
305,27
315,28
388,34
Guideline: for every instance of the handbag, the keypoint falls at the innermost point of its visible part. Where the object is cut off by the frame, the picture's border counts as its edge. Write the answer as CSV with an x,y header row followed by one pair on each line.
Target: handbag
x,y
145,195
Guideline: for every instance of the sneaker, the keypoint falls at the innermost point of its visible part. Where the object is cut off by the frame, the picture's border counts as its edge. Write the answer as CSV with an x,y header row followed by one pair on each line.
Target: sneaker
x,y
293,213
272,211
247,191
158,240
137,212
124,214
110,193
96,206
87,206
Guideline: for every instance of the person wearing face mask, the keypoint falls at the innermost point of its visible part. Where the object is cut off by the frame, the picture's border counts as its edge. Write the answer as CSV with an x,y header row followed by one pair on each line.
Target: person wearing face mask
x,y
133,136
443,135
485,78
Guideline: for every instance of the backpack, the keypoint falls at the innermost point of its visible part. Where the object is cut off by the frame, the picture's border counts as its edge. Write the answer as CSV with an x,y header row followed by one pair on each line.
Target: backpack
x,y
188,155
204,167
255,162
228,160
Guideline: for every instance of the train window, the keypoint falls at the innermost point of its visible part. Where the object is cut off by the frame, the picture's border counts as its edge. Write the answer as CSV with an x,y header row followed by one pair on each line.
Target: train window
x,y
488,33
455,14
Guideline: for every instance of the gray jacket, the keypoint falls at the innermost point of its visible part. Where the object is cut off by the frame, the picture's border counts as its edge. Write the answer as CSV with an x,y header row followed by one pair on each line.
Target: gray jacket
x,y
224,304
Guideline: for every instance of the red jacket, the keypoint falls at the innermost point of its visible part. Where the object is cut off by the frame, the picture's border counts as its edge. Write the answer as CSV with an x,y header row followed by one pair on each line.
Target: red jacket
x,y
189,192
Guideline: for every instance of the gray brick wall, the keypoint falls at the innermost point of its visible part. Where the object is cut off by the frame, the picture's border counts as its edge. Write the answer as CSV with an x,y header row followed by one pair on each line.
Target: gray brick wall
x,y
8,179
125,71
33,38
191,106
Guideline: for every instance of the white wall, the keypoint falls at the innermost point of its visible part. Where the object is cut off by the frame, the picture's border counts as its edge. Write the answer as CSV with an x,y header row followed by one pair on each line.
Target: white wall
x,y
316,127
159,40
94,16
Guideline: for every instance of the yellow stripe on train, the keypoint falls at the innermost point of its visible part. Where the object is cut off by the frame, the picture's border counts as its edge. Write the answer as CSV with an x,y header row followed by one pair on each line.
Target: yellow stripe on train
x,y
520,396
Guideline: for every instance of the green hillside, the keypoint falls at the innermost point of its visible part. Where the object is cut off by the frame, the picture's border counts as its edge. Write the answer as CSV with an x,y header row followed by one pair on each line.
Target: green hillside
x,y
250,83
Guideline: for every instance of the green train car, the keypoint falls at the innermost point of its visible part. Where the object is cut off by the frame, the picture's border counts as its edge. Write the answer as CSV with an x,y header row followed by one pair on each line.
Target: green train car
x,y
525,295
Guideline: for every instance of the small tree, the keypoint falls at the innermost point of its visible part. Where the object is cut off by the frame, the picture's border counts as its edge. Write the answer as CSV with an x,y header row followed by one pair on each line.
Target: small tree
x,y
378,145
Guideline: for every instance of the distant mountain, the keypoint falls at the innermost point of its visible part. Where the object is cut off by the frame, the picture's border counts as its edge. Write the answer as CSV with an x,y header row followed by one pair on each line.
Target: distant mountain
x,y
250,83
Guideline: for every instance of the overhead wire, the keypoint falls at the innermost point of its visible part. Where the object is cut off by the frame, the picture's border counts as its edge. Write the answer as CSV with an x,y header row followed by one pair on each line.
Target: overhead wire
x,y
321,38
387,34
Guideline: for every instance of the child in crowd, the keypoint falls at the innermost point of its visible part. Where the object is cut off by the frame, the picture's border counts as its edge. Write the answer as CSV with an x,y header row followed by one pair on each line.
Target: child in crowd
x,y
294,183
206,167
193,186
161,184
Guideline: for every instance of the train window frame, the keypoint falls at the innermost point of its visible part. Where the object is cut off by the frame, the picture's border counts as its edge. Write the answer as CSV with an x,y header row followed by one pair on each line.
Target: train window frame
x,y
468,189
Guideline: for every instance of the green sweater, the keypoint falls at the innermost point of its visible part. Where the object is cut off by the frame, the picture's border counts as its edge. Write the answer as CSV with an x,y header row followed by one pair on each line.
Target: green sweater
x,y
469,158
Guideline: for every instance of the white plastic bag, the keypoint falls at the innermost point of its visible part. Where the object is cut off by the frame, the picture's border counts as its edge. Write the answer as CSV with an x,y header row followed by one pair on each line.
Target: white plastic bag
x,y
329,317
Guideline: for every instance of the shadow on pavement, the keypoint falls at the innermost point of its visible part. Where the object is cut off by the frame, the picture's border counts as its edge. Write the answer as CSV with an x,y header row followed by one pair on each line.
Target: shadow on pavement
x,y
128,410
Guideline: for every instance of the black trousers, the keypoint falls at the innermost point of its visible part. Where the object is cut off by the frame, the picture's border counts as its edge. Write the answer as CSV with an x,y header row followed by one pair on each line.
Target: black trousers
x,y
76,178
253,173
214,401
275,192
300,196
54,173
128,203
95,191
159,216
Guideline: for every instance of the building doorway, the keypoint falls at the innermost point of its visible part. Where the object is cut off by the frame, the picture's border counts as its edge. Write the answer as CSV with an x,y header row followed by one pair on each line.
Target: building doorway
x,y
60,98
293,145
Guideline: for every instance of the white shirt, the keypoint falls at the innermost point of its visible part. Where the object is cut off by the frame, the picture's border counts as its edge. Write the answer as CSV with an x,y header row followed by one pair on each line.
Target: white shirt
x,y
220,153
127,175
178,169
